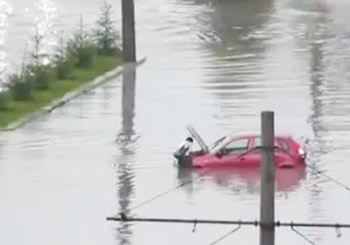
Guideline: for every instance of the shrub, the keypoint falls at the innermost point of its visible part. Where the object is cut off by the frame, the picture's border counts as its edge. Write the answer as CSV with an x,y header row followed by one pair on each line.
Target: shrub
x,y
42,75
4,94
105,34
4,100
39,68
63,61
64,69
21,86
85,56
82,48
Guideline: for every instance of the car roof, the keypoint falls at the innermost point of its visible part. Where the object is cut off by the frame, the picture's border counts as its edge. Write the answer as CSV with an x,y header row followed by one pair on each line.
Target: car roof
x,y
246,135
230,137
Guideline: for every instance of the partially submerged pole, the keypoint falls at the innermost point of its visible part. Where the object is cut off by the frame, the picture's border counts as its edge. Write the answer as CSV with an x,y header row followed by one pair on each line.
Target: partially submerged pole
x,y
267,193
128,31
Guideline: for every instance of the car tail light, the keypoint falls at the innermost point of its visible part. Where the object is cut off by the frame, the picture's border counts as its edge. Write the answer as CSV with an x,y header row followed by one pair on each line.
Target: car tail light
x,y
301,152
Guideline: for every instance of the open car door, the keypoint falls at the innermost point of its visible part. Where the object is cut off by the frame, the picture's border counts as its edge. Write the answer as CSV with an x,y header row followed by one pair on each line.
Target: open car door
x,y
199,139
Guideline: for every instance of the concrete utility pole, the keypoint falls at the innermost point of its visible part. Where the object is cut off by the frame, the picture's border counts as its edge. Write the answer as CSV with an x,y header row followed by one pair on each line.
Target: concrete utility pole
x,y
128,29
267,192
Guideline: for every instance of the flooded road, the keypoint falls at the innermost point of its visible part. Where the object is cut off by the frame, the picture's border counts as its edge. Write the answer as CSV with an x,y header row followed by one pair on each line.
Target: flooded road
x,y
213,64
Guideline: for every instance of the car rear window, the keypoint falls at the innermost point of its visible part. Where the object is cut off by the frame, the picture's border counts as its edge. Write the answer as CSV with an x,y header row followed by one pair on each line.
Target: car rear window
x,y
283,144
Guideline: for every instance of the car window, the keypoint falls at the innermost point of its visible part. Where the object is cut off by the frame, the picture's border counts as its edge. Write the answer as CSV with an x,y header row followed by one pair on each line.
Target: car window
x,y
283,144
237,146
257,142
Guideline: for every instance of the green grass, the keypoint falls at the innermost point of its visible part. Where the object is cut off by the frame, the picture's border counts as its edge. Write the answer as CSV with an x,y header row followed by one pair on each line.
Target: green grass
x,y
19,109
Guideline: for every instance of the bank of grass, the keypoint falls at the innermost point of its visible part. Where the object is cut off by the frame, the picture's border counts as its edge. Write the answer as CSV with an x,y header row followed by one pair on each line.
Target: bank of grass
x,y
18,109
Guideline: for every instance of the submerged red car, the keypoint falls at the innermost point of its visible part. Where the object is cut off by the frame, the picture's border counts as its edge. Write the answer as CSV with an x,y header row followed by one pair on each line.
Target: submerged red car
x,y
241,151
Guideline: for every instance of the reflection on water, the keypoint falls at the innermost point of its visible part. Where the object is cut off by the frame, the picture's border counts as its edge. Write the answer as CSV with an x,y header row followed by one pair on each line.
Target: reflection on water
x,y
125,190
127,133
46,36
247,179
6,10
126,143
239,28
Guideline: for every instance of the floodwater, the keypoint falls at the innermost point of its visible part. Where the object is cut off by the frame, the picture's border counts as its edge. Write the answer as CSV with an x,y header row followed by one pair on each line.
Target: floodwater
x,y
212,63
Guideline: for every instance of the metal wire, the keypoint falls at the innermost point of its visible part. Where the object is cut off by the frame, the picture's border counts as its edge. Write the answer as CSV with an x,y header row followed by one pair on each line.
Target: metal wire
x,y
158,196
225,236
124,218
302,236
292,225
161,194
330,178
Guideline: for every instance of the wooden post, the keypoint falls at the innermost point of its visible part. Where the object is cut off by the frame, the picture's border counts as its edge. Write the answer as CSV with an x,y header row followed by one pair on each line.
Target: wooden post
x,y
128,31
267,193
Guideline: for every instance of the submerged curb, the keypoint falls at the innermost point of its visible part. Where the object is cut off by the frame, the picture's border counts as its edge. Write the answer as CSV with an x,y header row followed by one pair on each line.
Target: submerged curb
x,y
71,95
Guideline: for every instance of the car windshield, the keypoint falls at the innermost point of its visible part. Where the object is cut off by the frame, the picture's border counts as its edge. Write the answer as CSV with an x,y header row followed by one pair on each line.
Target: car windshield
x,y
216,143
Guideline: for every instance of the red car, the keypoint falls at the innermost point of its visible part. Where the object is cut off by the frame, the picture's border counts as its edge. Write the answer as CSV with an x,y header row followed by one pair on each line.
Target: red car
x,y
241,151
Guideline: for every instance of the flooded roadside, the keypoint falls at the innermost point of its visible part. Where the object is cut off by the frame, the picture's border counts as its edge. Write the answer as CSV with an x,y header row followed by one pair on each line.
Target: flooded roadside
x,y
109,150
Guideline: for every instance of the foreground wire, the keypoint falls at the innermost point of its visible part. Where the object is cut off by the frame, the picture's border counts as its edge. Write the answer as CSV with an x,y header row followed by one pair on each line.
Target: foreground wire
x,y
125,218
329,177
162,194
159,195
226,235
302,236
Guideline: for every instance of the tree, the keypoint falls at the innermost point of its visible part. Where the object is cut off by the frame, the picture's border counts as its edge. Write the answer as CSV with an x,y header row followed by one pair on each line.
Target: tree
x,y
106,35
82,46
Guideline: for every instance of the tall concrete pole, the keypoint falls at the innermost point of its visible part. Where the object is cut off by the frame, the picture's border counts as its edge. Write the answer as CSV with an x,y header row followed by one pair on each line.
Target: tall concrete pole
x,y
128,31
267,193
